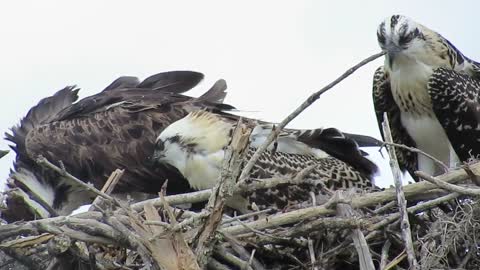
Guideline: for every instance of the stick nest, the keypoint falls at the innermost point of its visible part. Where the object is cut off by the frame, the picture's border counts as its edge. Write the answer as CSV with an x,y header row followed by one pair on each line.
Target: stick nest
x,y
155,234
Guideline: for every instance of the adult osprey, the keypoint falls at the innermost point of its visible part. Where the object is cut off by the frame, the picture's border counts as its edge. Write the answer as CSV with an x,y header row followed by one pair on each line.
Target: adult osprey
x,y
195,146
430,91
115,128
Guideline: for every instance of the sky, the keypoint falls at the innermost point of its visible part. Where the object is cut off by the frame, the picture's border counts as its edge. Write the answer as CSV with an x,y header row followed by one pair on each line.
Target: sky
x,y
273,54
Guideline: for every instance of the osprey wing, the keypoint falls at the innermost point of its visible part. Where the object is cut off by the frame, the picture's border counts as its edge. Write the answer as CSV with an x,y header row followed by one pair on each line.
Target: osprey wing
x,y
119,91
456,103
113,129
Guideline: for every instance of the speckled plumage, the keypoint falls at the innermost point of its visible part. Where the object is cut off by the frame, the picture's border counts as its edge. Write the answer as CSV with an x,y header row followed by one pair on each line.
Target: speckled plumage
x,y
411,87
328,172
198,156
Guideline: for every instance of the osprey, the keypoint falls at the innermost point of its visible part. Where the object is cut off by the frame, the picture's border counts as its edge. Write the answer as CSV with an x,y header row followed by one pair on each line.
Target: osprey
x,y
429,90
195,146
115,128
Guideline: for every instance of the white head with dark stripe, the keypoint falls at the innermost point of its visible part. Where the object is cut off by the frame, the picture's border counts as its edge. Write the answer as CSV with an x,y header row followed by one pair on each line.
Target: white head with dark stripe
x,y
405,40
193,143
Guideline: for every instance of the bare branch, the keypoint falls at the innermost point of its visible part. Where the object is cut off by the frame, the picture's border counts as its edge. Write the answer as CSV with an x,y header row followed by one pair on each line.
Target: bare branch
x,y
77,182
310,100
231,168
418,151
448,186
402,203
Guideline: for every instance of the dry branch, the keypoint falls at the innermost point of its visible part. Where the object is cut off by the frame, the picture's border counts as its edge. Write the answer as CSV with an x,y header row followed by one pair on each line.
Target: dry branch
x,y
402,203
76,182
310,100
113,228
447,186
231,169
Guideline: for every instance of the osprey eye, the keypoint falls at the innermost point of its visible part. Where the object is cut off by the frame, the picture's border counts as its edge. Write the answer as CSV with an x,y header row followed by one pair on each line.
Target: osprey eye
x,y
404,39
160,146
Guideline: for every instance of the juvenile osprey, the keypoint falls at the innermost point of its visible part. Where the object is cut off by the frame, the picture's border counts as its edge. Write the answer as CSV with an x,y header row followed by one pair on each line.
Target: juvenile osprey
x,y
195,145
115,128
430,91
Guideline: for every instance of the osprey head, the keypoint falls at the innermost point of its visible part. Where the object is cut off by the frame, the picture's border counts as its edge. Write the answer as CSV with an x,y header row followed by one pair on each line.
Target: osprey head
x,y
402,39
170,150
199,132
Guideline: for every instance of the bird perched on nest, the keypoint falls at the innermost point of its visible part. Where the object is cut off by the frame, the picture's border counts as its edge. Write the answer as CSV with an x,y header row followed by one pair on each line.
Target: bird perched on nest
x,y
195,145
430,91
115,128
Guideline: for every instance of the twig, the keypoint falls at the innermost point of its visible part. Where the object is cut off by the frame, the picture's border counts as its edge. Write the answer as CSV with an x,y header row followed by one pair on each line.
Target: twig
x,y
243,253
475,178
192,197
418,151
229,257
385,207
112,181
395,261
412,209
252,257
216,265
107,188
311,251
190,222
237,218
32,262
448,186
402,203
42,161
136,242
310,100
384,255
158,223
176,243
363,251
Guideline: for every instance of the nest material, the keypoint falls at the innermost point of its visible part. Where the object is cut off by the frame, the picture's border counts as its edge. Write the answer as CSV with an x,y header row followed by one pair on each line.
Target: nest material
x,y
155,235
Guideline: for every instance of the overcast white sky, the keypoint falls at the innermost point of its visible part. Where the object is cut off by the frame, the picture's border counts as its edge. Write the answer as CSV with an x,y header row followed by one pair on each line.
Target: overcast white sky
x,y
273,54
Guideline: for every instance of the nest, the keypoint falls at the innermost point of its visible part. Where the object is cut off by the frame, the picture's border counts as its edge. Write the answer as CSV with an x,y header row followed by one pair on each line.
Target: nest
x,y
437,229
349,231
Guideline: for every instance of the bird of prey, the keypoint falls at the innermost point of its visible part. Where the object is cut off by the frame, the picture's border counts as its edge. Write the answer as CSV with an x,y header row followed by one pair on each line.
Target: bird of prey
x,y
115,128
429,90
195,145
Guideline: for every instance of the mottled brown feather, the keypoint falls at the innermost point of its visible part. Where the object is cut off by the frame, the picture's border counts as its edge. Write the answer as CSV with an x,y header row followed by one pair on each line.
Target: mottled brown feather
x,y
113,129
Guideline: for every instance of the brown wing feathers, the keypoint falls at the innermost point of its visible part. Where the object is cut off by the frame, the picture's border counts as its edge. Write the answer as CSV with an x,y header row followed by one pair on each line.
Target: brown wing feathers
x,y
113,129
117,127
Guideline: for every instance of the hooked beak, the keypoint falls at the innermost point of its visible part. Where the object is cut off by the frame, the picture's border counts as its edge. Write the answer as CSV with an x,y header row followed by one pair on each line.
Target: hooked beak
x,y
392,50
157,157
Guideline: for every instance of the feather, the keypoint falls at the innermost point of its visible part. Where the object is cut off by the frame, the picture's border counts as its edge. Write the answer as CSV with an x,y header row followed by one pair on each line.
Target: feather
x,y
113,129
195,145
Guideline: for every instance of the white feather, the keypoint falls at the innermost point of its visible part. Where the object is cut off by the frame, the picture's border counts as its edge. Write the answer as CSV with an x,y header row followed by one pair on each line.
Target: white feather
x,y
43,191
431,138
